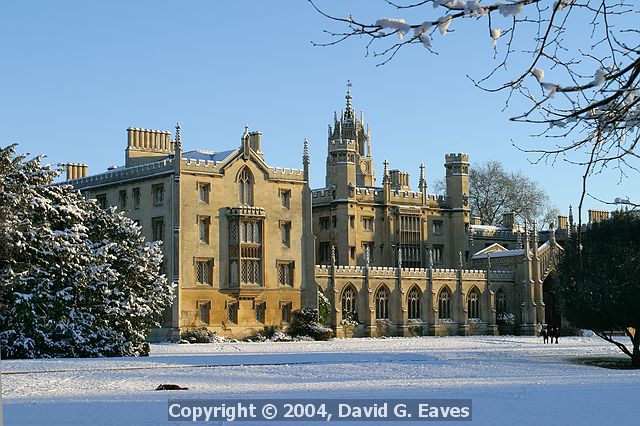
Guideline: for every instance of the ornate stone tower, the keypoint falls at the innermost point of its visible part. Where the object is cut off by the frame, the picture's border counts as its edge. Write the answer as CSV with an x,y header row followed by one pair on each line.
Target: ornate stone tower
x,y
349,162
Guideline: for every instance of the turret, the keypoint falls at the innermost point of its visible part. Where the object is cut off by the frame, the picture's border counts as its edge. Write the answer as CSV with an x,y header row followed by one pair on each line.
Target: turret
x,y
349,151
457,179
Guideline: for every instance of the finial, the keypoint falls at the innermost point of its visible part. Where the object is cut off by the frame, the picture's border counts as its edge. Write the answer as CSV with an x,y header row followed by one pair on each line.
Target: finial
x,y
519,239
423,181
400,258
178,134
348,97
333,255
305,152
461,259
246,130
552,231
489,260
430,258
367,255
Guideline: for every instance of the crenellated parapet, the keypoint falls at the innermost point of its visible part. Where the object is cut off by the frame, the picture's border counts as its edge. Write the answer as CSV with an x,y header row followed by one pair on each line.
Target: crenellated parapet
x,y
122,174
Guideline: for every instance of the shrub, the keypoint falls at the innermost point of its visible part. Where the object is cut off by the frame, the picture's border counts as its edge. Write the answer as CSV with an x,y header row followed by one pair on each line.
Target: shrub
x,y
201,335
304,322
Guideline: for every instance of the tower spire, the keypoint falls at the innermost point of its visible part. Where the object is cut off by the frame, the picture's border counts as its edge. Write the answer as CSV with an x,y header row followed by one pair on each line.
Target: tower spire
x,y
423,180
305,152
178,135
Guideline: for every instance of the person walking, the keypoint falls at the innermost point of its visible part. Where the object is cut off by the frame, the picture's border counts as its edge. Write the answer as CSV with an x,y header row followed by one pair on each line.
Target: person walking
x,y
556,333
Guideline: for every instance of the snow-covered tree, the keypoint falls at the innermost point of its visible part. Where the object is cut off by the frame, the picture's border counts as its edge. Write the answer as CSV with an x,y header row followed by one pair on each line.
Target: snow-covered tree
x,y
600,281
75,280
574,64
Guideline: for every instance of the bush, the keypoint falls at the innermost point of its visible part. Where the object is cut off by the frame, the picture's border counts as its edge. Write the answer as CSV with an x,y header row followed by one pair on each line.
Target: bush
x,y
324,308
304,322
201,335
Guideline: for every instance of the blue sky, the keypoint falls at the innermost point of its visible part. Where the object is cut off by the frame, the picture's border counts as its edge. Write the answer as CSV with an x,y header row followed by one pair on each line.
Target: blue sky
x,y
76,74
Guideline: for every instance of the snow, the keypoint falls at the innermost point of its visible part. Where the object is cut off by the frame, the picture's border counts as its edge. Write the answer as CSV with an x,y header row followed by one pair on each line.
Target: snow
x,y
510,379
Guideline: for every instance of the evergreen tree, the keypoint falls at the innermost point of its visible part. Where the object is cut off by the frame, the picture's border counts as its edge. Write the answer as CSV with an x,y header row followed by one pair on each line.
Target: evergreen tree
x,y
600,281
75,280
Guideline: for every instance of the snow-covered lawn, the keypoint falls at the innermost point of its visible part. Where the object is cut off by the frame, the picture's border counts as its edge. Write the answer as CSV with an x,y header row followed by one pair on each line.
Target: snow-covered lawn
x,y
511,380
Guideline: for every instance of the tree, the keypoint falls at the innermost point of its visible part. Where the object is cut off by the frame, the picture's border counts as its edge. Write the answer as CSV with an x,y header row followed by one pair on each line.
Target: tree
x,y
493,191
603,293
581,91
75,280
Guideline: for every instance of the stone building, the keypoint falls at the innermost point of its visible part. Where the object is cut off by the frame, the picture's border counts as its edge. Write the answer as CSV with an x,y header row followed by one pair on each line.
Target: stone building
x,y
393,261
247,243
235,231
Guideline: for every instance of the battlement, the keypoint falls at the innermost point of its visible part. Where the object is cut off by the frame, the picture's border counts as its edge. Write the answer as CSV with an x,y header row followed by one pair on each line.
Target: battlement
x,y
287,171
436,273
340,144
208,164
456,158
125,173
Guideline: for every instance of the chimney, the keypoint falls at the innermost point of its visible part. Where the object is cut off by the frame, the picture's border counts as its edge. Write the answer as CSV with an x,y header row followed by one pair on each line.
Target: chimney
x,y
76,170
508,220
597,215
255,139
475,220
563,222
399,180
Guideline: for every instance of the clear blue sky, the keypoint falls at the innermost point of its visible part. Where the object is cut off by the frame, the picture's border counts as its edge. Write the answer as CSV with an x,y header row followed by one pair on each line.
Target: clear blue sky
x,y
76,74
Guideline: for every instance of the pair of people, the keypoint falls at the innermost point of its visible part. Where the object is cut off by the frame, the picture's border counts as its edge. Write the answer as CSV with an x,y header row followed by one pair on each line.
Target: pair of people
x,y
549,333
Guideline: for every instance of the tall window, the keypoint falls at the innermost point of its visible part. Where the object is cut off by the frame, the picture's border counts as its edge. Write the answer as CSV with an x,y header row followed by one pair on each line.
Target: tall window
x,y
473,303
122,198
382,303
245,187
285,311
232,312
245,251
437,227
285,198
324,252
203,271
444,304
367,223
158,194
285,273
414,303
437,254
203,192
204,310
349,298
285,233
157,225
325,223
203,228
136,198
261,308
501,301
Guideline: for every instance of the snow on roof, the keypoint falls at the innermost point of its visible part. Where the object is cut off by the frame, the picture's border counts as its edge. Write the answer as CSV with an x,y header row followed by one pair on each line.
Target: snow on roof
x,y
503,253
490,228
200,154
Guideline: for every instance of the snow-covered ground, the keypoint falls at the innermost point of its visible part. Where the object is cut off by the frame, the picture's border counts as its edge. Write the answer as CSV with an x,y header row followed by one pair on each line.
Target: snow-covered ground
x,y
511,380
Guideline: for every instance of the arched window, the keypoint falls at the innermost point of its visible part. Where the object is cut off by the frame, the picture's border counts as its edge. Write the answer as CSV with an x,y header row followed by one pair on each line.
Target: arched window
x,y
444,303
501,301
473,303
382,303
245,187
414,303
349,297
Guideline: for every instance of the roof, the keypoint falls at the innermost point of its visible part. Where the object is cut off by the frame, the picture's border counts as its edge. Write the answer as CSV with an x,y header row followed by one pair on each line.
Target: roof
x,y
200,154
